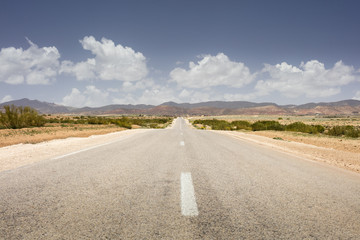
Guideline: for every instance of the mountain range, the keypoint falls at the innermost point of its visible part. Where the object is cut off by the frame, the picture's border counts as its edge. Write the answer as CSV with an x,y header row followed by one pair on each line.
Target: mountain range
x,y
346,107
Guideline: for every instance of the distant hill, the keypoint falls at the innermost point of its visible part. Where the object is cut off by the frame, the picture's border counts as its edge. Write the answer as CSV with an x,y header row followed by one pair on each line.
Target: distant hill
x,y
218,104
346,107
41,107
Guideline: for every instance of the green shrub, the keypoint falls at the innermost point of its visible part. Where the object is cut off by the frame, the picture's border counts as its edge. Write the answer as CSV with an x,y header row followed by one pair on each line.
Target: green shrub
x,y
302,127
352,132
215,124
278,138
96,120
267,125
241,125
319,128
124,122
336,131
348,131
20,117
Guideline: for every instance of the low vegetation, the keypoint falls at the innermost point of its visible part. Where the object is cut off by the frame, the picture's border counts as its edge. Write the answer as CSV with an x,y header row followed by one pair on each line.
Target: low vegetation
x,y
122,121
263,125
348,131
13,117
20,117
25,125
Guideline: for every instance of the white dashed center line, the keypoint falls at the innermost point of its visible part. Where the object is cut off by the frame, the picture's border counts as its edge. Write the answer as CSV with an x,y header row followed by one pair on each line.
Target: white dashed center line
x,y
188,201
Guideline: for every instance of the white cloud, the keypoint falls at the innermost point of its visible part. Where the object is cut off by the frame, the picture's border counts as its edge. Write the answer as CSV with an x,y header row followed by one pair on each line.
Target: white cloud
x,y
125,99
357,96
241,97
7,98
81,70
193,96
32,66
310,79
213,71
142,84
185,94
111,62
113,90
157,95
91,97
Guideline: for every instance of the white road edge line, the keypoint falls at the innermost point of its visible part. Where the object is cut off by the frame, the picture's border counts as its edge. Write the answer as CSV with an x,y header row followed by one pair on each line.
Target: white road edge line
x,y
83,150
188,201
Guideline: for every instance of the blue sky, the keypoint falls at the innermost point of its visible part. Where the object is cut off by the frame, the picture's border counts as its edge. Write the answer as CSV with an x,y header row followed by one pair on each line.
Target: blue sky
x,y
94,53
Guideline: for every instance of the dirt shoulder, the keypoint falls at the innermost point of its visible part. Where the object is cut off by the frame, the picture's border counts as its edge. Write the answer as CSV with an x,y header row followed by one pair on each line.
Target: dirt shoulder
x,y
56,131
343,153
15,156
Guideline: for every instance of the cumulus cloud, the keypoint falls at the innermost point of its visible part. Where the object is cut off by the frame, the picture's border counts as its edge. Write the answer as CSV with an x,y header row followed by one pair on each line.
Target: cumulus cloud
x,y
357,96
213,71
193,96
111,62
32,66
7,98
154,95
242,97
133,86
157,95
91,97
310,79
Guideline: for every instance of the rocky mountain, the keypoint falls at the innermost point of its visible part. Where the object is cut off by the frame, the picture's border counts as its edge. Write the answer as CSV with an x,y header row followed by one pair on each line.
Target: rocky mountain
x,y
346,107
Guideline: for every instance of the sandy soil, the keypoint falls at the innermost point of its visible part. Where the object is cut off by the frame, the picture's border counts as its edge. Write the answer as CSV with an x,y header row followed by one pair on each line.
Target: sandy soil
x,y
23,154
343,153
55,131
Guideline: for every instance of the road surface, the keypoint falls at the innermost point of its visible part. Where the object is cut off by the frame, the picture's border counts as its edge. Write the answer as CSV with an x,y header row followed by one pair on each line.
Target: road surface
x,y
179,183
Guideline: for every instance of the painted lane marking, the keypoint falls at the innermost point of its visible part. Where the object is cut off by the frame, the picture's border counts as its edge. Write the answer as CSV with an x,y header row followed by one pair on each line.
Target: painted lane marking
x,y
82,150
182,143
89,148
188,201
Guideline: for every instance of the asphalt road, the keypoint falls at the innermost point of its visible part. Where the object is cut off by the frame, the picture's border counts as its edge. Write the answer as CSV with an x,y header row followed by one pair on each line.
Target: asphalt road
x,y
179,183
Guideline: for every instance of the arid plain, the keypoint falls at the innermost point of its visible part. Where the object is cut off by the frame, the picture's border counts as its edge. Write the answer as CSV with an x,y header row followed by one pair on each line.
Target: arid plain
x,y
341,152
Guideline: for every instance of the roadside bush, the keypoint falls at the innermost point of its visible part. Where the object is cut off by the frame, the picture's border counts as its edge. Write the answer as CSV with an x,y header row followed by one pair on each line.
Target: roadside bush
x,y
96,120
215,124
150,122
302,127
319,128
267,125
241,125
20,117
124,122
348,131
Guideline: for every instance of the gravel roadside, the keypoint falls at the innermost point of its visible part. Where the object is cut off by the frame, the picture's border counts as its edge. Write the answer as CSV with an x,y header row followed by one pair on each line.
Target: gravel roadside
x,y
323,150
15,156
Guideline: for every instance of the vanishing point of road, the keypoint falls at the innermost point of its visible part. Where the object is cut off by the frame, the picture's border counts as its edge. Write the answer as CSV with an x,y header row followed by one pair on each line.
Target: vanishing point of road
x,y
179,183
